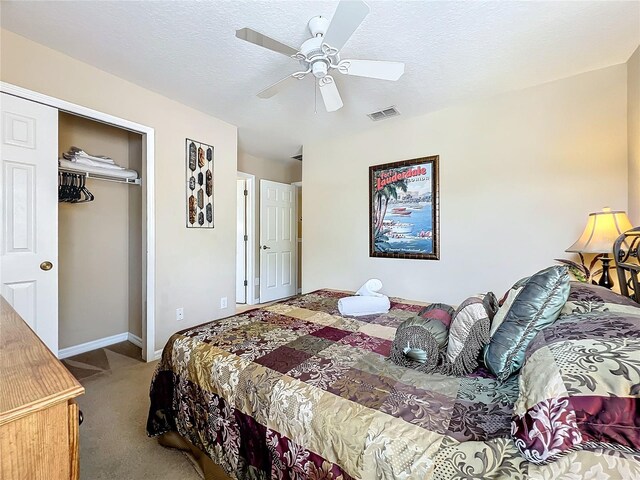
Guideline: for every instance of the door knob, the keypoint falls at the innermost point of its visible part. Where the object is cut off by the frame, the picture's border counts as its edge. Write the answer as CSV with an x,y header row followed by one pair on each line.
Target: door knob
x,y
264,247
46,266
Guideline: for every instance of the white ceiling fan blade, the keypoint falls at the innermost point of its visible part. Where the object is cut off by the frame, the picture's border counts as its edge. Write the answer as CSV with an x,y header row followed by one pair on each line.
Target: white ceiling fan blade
x,y
346,19
330,94
263,41
280,85
372,69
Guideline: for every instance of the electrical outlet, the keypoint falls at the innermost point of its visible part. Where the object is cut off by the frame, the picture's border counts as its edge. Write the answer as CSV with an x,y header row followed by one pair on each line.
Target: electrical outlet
x,y
179,314
223,302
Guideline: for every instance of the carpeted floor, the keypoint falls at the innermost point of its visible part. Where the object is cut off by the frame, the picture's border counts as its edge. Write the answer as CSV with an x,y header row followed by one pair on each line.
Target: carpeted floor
x,y
113,441
103,360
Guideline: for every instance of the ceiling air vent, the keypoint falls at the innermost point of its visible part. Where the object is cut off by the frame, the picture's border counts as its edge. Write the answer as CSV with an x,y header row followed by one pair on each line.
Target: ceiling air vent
x,y
391,111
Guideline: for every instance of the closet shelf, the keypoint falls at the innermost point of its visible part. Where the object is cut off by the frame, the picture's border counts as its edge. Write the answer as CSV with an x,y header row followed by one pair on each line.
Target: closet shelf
x,y
100,176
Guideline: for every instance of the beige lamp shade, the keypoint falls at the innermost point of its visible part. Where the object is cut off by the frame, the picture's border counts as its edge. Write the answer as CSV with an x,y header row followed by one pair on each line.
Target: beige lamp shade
x,y
603,228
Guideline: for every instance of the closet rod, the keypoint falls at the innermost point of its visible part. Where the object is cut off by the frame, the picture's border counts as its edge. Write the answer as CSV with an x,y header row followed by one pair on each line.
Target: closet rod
x,y
99,176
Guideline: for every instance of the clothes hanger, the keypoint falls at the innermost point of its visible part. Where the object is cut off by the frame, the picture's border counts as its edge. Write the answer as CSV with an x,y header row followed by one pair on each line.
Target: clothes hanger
x,y
69,191
72,188
87,195
63,188
79,180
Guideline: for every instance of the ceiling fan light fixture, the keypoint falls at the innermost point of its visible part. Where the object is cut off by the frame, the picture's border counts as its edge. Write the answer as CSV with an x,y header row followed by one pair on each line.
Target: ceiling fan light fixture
x,y
319,55
319,69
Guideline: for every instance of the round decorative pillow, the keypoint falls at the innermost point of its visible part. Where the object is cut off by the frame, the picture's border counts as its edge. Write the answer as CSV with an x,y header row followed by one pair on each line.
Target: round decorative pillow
x,y
418,343
438,311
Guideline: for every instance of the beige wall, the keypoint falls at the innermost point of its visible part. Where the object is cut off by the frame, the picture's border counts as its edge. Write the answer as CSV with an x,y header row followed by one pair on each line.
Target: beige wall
x,y
99,242
518,175
283,171
194,268
633,135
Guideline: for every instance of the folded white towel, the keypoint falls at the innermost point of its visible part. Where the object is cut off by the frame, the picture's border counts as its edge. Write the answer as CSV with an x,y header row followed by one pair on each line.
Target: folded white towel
x,y
363,305
78,152
102,160
97,170
370,288
106,161
93,163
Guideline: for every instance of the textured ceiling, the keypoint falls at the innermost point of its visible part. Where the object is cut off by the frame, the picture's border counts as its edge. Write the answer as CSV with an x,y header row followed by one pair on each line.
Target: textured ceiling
x,y
454,51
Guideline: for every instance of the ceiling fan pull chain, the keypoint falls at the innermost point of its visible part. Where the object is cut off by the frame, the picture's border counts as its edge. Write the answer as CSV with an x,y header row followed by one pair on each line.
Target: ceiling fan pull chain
x,y
315,97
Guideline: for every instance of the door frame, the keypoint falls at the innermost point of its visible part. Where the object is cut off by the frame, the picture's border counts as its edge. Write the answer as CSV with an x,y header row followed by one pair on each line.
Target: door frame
x,y
148,153
298,187
251,232
242,242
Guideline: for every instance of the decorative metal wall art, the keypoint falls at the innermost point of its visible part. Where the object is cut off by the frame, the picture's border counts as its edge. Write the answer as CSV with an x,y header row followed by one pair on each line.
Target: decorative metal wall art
x,y
199,184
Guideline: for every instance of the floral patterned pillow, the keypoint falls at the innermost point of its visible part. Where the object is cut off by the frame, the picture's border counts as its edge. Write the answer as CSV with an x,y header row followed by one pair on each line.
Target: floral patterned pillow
x,y
580,383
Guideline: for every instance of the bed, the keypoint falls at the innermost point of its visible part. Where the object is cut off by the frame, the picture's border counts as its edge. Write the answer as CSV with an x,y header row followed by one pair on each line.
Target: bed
x,y
296,391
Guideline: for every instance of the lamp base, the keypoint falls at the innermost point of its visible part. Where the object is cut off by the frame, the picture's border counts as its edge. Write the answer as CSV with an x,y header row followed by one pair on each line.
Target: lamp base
x,y
605,280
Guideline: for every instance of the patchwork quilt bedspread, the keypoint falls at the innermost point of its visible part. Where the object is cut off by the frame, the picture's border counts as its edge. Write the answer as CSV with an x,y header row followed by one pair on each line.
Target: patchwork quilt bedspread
x,y
296,391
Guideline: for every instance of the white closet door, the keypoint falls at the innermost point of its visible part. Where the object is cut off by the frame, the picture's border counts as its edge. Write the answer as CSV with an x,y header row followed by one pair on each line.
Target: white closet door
x,y
29,251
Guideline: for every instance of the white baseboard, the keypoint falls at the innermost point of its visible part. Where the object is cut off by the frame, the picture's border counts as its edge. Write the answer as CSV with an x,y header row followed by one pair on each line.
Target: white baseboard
x,y
101,343
92,345
157,354
136,340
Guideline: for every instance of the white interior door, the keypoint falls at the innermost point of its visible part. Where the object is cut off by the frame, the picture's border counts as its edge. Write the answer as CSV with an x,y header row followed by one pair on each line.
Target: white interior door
x,y
29,179
241,243
277,241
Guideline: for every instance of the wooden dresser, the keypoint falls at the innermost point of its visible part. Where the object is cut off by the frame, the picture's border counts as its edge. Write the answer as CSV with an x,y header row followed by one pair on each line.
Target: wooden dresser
x,y
38,414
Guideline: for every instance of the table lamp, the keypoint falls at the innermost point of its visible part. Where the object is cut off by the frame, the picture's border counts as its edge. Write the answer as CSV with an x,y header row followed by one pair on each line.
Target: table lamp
x,y
603,228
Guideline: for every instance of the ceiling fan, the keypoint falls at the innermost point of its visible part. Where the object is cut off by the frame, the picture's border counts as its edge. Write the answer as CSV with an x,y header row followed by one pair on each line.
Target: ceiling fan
x,y
320,55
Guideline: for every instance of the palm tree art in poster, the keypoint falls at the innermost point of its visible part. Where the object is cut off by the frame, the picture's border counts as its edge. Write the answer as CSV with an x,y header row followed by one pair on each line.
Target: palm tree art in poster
x,y
404,209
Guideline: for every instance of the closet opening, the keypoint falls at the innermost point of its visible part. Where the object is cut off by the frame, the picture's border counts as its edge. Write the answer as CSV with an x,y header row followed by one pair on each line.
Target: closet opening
x,y
101,241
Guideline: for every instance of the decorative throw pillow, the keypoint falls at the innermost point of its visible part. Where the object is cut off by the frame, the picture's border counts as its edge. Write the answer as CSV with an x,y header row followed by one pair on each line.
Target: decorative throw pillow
x,y
420,340
469,332
516,286
438,311
535,306
580,387
505,303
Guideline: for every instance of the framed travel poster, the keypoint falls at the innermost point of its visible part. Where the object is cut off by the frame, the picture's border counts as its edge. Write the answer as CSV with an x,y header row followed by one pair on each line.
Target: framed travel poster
x,y
404,212
199,184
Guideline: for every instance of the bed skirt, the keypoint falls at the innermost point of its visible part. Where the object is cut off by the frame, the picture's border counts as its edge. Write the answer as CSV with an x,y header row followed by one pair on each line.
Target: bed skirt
x,y
210,470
